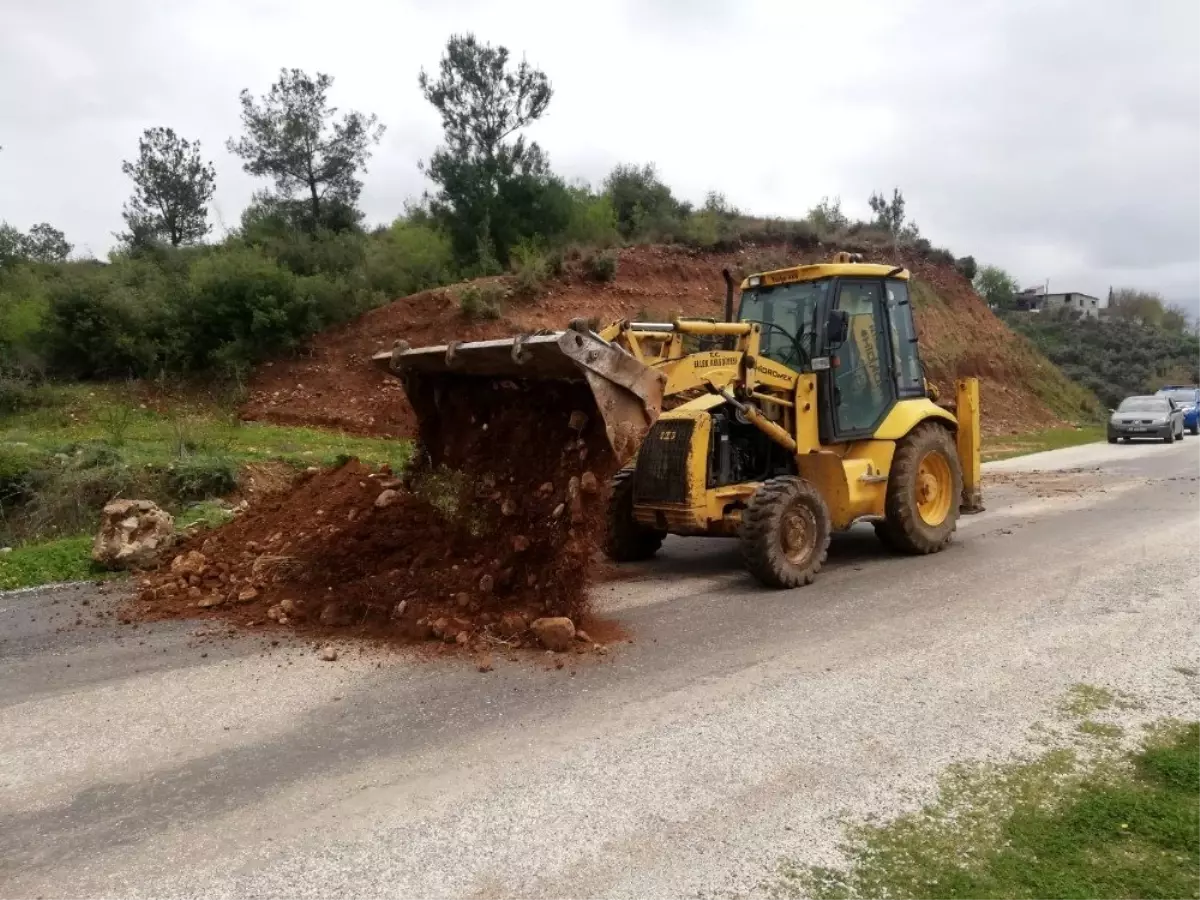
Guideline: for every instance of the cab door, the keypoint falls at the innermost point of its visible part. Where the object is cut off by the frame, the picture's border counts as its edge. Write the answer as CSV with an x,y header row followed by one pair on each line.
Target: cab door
x,y
859,386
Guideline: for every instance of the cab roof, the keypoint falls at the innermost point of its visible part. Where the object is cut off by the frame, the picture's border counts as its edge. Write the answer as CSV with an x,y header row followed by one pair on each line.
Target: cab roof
x,y
816,271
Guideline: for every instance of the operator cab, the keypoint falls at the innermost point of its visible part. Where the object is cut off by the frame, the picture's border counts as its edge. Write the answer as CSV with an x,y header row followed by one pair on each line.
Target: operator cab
x,y
851,323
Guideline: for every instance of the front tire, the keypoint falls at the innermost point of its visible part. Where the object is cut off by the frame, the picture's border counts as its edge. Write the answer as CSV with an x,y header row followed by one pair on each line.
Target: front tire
x,y
924,492
1170,438
785,533
627,539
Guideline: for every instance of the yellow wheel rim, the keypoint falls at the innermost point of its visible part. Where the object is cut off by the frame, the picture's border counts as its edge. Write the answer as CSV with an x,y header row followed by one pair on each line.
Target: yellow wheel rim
x,y
935,488
799,535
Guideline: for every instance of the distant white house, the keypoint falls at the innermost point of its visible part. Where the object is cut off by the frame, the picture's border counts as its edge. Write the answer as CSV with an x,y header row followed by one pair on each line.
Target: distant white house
x,y
1037,300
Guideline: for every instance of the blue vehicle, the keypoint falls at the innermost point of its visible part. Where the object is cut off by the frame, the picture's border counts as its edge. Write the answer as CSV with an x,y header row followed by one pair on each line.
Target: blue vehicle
x,y
1187,398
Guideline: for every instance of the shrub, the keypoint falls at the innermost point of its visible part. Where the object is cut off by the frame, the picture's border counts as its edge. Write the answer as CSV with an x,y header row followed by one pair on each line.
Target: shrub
x,y
323,253
600,266
20,391
199,478
592,220
967,267
480,302
18,474
409,257
643,205
531,268
101,325
24,304
243,307
702,229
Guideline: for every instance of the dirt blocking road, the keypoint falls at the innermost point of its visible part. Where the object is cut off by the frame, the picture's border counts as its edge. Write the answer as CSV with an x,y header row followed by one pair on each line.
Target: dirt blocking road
x,y
732,733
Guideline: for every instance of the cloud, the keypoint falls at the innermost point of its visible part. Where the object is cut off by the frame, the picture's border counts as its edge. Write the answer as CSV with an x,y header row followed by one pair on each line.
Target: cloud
x,y
1058,139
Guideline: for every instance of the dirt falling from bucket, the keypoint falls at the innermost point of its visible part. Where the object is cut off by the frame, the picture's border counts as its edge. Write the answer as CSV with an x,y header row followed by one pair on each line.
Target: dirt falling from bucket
x,y
495,524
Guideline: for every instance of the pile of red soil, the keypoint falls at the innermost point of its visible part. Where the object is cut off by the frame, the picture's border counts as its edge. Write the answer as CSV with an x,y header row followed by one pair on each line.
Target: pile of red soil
x,y
334,385
494,527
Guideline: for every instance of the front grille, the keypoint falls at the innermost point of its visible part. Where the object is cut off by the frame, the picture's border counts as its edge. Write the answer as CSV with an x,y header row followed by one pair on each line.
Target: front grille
x,y
661,475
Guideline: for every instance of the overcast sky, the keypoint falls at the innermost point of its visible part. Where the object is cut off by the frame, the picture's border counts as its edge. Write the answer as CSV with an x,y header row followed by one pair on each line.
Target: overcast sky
x,y
1059,140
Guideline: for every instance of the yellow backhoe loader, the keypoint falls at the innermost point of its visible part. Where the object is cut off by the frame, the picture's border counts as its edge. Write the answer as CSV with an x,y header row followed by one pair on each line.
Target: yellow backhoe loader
x,y
801,414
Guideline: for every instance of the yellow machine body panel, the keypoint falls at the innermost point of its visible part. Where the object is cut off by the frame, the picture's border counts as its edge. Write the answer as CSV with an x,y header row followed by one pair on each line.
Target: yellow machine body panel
x,y
852,477
907,414
822,270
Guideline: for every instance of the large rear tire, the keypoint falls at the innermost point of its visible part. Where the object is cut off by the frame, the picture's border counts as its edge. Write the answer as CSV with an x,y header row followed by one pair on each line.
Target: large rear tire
x,y
627,540
785,533
924,492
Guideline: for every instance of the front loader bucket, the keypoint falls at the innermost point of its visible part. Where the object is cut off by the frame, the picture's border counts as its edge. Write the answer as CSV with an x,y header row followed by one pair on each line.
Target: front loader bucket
x,y
626,394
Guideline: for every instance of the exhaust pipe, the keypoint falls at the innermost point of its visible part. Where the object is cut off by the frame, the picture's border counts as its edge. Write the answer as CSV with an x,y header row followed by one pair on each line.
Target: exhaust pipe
x,y
730,342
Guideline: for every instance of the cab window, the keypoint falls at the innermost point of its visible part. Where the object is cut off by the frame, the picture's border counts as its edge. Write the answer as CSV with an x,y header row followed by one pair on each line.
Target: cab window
x,y
788,316
910,379
861,391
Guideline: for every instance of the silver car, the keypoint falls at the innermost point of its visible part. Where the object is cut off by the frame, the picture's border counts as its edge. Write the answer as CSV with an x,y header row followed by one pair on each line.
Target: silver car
x,y
1146,417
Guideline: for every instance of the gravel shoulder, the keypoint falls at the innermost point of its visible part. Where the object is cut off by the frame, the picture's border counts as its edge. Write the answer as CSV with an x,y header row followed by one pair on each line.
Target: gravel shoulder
x,y
737,729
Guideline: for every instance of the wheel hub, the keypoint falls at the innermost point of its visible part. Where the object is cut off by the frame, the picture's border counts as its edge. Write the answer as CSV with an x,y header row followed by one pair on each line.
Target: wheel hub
x,y
799,534
934,488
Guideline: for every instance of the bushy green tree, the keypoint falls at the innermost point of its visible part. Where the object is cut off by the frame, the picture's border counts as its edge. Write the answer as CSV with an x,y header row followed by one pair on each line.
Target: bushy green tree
x,y
495,190
46,244
891,216
293,136
172,187
643,204
1175,318
43,243
827,216
996,286
1133,305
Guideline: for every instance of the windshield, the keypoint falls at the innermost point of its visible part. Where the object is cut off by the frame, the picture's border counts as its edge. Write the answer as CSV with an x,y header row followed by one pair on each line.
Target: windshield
x,y
788,314
1143,404
1184,398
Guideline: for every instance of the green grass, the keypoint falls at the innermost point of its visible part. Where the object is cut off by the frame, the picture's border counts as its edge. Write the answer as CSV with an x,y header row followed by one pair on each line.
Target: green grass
x,y
61,461
1005,446
86,414
1124,824
66,559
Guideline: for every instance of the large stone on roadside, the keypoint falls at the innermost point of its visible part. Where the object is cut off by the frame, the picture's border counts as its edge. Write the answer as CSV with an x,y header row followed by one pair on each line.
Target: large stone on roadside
x,y
133,534
554,632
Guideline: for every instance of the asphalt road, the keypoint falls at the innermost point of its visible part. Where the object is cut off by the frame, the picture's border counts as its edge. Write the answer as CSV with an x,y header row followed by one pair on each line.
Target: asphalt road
x,y
732,733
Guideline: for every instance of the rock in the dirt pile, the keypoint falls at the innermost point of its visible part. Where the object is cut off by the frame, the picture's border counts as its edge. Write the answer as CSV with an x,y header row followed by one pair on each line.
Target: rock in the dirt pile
x,y
191,563
588,483
512,624
386,498
246,594
334,614
554,632
578,420
329,653
520,543
133,534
